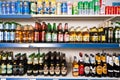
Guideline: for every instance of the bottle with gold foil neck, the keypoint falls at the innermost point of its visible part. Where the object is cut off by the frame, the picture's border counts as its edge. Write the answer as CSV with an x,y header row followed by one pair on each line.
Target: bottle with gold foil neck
x,y
30,34
94,35
25,34
72,35
85,35
78,35
18,34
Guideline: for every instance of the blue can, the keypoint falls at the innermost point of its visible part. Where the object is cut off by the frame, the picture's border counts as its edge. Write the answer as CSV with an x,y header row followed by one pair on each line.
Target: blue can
x,y
4,7
26,8
64,8
0,7
8,7
13,8
19,6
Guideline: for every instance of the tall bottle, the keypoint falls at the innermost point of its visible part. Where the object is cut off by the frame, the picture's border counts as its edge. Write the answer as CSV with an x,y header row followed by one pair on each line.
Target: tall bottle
x,y
85,35
78,35
12,32
36,32
48,36
57,64
72,35
43,32
35,65
54,33
66,33
75,67
81,65
60,33
87,65
1,31
41,57
25,34
30,34
92,65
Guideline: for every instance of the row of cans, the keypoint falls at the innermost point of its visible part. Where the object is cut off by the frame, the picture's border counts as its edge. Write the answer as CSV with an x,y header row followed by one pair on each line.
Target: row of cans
x,y
7,31
14,7
112,10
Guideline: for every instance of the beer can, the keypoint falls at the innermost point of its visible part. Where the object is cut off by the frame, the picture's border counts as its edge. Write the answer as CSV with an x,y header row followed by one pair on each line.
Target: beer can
x,y
64,8
39,7
80,7
69,8
19,6
13,8
13,26
58,8
0,7
53,7
8,7
91,7
75,8
4,7
26,7
97,10
33,7
86,8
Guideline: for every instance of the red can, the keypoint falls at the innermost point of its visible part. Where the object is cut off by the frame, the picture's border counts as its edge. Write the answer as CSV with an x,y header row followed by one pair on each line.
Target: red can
x,y
112,10
118,9
107,10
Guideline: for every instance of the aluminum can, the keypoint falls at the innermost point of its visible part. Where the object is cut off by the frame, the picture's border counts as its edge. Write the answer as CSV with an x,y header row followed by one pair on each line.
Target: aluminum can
x,y
4,7
80,7
26,7
64,8
58,8
13,8
8,4
0,7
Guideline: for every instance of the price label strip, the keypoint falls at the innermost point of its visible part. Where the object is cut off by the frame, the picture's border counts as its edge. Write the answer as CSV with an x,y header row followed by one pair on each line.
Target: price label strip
x,y
17,79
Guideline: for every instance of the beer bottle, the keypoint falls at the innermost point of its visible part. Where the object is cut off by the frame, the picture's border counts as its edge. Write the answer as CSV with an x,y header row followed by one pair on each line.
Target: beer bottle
x,y
46,65
12,32
52,65
1,31
75,67
63,65
87,65
30,64
41,64
106,32
81,65
43,32
25,34
57,64
85,35
48,36
110,66
92,65
116,66
10,63
66,33
72,35
94,35
78,35
36,32
116,33
4,64
1,52
60,33
54,33
110,32
30,34
35,65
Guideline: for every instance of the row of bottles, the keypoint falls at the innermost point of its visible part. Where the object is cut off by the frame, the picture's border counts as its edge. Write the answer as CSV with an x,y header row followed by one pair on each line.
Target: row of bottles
x,y
98,65
52,63
45,32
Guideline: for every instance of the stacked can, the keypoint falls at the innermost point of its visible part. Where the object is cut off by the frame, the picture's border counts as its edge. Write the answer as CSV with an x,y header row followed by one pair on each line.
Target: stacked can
x,y
0,7
97,6
80,7
1,31
64,8
91,7
75,8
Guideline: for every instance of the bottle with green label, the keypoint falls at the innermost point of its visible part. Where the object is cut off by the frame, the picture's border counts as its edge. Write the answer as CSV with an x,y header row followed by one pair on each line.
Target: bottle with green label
x,y
48,33
91,7
75,8
80,7
54,33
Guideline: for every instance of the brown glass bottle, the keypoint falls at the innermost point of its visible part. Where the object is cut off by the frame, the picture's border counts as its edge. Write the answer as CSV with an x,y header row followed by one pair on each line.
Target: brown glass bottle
x,y
78,35
18,34
30,34
43,32
85,35
66,33
60,33
36,32
25,34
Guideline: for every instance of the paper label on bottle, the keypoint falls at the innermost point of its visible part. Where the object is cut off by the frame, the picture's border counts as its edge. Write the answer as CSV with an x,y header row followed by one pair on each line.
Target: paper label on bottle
x,y
71,38
111,61
57,70
99,69
104,69
60,37
117,34
66,37
29,71
63,70
45,70
87,69
92,69
51,70
117,61
48,36
79,38
54,37
41,60
9,68
86,38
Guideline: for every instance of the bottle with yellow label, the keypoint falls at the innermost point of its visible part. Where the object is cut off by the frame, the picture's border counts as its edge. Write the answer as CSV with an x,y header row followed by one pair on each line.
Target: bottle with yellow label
x,y
78,35
85,35
94,35
104,69
72,35
75,67
98,58
99,70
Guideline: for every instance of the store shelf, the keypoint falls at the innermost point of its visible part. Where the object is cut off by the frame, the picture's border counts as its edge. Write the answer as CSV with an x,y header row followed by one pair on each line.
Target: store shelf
x,y
15,16
60,45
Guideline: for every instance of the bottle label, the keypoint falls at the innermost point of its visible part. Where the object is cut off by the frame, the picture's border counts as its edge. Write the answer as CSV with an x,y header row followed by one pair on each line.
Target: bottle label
x,y
29,71
111,61
63,70
3,68
48,37
116,34
41,60
1,35
57,70
9,68
99,70
79,38
36,36
110,71
87,69
45,70
94,38
93,69
43,35
12,35
66,37
54,37
86,38
104,69
60,37
71,38
116,61
81,69
35,71
51,70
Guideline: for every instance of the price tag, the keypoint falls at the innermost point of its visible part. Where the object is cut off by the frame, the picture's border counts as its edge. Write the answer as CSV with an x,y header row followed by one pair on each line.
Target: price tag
x,y
32,79
3,78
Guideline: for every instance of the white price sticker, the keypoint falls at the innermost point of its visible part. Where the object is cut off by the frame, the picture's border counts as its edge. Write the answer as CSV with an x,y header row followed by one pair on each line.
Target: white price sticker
x,y
32,79
3,78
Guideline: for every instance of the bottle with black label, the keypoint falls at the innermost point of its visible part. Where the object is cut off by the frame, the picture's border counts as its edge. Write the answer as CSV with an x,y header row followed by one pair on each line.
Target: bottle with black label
x,y
110,66
4,64
92,65
87,65
63,65
52,65
57,64
116,66
10,63
30,64
35,65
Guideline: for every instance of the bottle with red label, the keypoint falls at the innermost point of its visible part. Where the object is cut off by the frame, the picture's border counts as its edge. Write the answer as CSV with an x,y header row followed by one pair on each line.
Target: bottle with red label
x,y
81,65
43,32
36,32
60,33
66,33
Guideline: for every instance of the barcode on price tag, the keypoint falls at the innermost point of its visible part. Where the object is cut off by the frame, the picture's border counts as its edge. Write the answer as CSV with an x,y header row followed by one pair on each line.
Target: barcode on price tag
x,y
3,78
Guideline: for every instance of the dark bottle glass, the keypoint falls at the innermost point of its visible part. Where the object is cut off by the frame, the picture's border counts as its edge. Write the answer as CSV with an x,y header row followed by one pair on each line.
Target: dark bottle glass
x,y
60,33
43,32
110,66
87,65
92,65
116,66
35,66
116,33
10,63
63,64
57,64
81,65
66,33
41,64
54,33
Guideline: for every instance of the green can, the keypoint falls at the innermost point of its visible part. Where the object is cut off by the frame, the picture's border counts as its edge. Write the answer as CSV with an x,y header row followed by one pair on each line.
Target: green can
x,y
33,7
75,8
80,7
97,9
97,2
91,7
86,7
